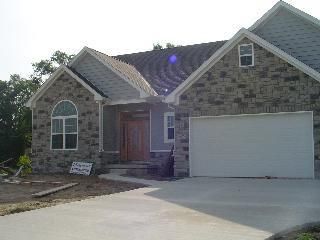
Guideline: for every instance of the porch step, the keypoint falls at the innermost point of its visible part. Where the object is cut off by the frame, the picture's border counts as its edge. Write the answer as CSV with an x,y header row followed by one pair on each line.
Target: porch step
x,y
137,162
119,171
129,166
132,169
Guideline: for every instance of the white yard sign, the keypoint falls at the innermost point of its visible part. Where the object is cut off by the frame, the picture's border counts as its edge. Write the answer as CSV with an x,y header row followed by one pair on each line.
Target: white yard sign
x,y
82,168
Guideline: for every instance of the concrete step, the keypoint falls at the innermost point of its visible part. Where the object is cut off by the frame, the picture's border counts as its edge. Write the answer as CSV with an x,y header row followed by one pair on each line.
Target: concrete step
x,y
129,166
119,171
137,162
132,169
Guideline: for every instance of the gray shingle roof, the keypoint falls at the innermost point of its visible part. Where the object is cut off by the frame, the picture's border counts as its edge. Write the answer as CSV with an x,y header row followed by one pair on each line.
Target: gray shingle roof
x,y
128,71
166,69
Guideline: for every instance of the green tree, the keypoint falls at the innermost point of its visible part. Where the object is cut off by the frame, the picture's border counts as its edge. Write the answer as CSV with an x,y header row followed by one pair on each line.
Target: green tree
x,y
170,45
15,118
158,46
46,67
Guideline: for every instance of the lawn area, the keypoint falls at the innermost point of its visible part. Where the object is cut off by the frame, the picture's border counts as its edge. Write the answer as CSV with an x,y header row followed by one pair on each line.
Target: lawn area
x,y
16,198
309,231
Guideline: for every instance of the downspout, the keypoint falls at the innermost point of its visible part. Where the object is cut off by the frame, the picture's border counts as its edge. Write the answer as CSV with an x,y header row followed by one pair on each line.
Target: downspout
x,y
100,126
174,143
31,128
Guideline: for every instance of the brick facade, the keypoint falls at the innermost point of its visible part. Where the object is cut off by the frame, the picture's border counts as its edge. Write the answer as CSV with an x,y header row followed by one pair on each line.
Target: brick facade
x,y
46,160
271,86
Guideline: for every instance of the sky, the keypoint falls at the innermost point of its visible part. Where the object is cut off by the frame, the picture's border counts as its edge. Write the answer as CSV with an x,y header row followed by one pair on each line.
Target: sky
x,y
31,30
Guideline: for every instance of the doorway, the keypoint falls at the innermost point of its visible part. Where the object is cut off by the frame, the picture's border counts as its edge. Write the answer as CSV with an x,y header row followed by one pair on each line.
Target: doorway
x,y
134,136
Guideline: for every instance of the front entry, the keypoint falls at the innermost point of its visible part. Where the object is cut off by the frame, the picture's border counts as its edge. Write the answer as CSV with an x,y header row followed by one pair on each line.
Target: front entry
x,y
134,140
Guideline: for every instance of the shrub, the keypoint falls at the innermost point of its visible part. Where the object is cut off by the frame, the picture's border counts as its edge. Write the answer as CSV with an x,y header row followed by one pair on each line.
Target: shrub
x,y
25,163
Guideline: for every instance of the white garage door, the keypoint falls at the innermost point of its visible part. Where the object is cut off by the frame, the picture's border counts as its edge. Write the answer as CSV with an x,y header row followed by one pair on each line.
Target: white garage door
x,y
257,145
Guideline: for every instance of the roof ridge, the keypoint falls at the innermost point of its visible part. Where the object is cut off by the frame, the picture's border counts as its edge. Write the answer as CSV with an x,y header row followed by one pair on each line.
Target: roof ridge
x,y
165,49
113,57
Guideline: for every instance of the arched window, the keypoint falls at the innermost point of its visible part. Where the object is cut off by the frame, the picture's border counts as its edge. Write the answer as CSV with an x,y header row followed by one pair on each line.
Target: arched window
x,y
64,126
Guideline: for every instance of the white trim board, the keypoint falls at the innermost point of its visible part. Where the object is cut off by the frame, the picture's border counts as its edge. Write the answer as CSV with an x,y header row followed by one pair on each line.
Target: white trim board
x,y
119,102
87,50
100,126
150,129
241,34
279,5
32,101
254,114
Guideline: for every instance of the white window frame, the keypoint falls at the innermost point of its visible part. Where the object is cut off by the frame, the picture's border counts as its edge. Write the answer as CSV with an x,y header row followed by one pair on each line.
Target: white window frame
x,y
165,127
245,55
63,118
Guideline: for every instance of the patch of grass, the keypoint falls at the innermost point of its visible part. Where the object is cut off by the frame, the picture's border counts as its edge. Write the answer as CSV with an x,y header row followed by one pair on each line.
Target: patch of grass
x,y
12,208
19,209
306,236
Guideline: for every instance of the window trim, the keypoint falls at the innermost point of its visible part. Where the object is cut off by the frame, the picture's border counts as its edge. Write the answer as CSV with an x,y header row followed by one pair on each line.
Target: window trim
x,y
165,127
63,118
245,55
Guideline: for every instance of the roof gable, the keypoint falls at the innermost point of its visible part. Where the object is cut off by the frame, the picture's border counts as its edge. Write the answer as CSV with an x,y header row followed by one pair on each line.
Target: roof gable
x,y
125,71
105,79
98,95
293,34
243,33
283,5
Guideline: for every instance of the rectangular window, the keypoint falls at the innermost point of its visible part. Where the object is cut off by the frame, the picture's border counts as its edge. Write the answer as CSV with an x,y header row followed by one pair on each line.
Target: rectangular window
x,y
169,127
64,133
57,141
71,141
246,55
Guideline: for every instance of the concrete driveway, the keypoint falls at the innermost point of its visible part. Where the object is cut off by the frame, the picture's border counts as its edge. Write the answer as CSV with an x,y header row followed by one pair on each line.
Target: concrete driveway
x,y
195,208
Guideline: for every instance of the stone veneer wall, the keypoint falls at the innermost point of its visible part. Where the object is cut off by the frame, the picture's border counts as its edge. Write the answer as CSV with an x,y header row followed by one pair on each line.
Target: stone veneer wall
x,y
271,86
46,160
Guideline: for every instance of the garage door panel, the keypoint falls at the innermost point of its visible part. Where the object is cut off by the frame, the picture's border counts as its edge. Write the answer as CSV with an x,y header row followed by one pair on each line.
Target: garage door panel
x,y
278,145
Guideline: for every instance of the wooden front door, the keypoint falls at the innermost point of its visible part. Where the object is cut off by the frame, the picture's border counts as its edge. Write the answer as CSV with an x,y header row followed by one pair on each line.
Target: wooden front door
x,y
134,129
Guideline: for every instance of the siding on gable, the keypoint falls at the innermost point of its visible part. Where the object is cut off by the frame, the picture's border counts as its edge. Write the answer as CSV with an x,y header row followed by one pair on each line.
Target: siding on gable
x,y
294,35
106,80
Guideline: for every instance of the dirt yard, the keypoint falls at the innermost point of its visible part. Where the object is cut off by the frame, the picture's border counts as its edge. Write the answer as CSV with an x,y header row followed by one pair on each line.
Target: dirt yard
x,y
16,198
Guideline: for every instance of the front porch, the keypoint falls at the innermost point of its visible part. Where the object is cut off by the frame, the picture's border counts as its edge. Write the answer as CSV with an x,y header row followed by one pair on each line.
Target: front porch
x,y
133,139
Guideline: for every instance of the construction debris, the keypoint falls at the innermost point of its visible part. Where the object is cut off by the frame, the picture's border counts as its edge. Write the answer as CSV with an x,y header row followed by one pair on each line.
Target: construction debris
x,y
53,190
